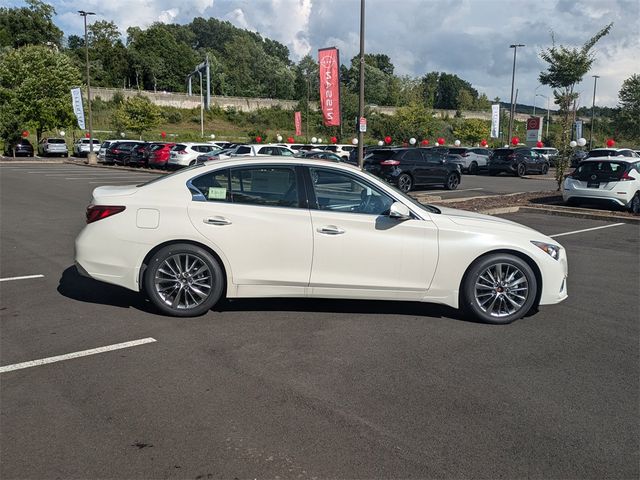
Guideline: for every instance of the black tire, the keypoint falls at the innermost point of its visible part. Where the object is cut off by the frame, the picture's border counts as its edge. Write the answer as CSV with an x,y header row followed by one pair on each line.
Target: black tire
x,y
489,302
452,181
545,169
634,205
473,168
405,182
161,278
521,170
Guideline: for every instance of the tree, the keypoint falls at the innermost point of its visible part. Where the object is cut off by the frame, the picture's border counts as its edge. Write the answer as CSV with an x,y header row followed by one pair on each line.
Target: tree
x,y
137,114
472,130
627,118
35,89
32,25
566,67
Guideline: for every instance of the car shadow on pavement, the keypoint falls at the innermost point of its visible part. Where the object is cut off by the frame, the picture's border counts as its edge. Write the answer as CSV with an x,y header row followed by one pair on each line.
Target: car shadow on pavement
x,y
75,286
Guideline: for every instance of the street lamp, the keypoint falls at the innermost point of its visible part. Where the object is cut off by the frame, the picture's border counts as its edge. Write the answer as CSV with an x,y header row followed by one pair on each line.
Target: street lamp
x,y
361,96
593,111
544,96
91,156
201,107
535,94
513,77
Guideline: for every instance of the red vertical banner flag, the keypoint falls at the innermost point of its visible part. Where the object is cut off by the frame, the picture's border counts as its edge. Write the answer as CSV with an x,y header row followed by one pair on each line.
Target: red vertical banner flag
x,y
329,62
297,120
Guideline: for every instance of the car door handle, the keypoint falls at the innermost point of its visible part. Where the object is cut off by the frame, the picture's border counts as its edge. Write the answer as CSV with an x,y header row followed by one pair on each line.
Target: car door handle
x,y
217,221
331,230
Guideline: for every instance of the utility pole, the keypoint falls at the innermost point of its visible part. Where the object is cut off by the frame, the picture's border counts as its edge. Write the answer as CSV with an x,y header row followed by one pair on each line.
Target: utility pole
x,y
91,156
361,99
513,78
593,111
201,107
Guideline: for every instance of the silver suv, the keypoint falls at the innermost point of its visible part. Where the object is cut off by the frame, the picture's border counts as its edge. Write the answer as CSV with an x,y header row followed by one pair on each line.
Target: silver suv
x,y
53,146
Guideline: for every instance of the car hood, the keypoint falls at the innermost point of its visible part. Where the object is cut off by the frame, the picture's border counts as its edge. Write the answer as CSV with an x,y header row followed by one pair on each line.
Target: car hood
x,y
473,219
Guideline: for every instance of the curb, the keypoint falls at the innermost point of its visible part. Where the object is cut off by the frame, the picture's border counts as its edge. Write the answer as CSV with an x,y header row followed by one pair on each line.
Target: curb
x,y
563,212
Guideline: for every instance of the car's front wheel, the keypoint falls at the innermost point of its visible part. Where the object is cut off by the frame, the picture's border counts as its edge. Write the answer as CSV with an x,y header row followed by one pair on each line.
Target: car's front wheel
x,y
405,182
545,169
183,280
634,205
473,168
521,170
499,288
452,182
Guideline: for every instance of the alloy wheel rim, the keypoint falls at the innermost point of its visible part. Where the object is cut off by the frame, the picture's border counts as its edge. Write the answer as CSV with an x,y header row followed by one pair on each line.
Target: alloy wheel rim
x,y
404,183
453,182
501,290
183,281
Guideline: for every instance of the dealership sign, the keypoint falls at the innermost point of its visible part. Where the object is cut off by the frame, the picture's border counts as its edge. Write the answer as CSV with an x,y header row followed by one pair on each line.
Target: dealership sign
x,y
495,120
329,62
534,129
76,101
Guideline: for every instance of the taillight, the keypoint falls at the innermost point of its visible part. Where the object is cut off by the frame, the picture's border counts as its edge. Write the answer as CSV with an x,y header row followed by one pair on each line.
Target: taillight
x,y
465,154
98,212
115,150
626,177
181,152
390,163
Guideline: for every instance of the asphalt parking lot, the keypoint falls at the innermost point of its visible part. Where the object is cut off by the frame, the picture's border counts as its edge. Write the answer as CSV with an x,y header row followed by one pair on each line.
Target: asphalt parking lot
x,y
307,388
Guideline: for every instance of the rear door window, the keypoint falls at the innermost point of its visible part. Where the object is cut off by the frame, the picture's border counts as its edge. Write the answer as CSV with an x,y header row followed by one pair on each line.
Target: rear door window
x,y
266,186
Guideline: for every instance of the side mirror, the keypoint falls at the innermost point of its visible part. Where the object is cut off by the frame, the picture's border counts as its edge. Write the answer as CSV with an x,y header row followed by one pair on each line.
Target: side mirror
x,y
399,211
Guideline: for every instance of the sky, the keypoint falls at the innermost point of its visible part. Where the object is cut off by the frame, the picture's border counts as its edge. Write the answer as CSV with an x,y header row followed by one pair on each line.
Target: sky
x,y
469,38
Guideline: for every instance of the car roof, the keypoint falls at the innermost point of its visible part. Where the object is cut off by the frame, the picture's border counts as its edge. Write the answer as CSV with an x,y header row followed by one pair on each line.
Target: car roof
x,y
612,159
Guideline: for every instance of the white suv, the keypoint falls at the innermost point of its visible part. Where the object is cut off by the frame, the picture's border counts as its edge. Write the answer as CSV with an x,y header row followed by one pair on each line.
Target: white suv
x,y
53,146
260,149
185,154
605,180
341,150
81,147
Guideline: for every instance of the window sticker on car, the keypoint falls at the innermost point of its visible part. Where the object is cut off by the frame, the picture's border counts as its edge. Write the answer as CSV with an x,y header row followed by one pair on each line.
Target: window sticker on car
x,y
217,193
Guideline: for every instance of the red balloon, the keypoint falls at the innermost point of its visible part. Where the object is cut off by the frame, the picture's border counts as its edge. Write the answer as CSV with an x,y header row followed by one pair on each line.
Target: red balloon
x,y
611,142
334,139
539,144
258,139
387,139
515,140
163,134
86,135
441,141
25,133
425,142
483,142
290,140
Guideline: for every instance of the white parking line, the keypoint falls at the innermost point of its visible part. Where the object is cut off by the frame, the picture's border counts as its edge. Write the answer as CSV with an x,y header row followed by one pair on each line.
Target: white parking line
x,y
586,230
450,191
68,356
25,277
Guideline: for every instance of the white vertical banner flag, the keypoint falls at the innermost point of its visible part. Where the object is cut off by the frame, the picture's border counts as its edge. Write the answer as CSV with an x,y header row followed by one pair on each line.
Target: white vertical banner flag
x,y
76,100
495,120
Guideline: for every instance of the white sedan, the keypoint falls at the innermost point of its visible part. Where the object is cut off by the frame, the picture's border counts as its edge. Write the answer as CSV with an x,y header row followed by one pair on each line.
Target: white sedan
x,y
276,227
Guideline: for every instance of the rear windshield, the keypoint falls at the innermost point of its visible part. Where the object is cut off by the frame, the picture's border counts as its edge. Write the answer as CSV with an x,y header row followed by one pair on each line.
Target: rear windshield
x,y
55,140
502,152
602,171
603,153
458,151
124,146
380,155
179,147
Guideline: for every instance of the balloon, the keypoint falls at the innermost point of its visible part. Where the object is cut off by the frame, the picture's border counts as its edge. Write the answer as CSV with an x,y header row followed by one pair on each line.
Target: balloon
x,y
457,143
582,142
334,140
354,141
290,140
610,142
279,138
213,136
163,134
441,141
483,142
412,141
425,142
86,135
258,139
387,139
62,133
515,141
539,144
25,133
314,140
122,134
573,144
380,143
319,140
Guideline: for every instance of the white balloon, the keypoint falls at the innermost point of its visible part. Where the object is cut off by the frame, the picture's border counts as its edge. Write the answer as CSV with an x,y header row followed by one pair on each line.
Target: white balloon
x,y
457,143
573,144
354,141
62,133
279,137
319,140
212,136
582,142
122,134
412,141
314,140
380,143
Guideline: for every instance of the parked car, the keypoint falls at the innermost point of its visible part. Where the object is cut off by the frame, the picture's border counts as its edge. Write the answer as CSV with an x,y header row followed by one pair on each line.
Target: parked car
x,y
20,148
611,152
158,154
222,145
473,159
185,154
605,180
53,146
263,149
322,155
407,168
576,157
238,228
136,157
81,147
118,152
102,153
517,161
550,154
215,155
342,150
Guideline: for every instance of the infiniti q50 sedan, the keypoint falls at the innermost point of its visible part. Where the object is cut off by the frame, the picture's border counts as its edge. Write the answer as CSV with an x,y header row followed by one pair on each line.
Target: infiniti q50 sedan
x,y
285,227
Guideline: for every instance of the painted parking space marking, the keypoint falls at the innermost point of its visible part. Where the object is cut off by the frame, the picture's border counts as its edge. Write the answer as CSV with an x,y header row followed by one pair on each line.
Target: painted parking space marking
x,y
449,191
586,230
24,277
69,356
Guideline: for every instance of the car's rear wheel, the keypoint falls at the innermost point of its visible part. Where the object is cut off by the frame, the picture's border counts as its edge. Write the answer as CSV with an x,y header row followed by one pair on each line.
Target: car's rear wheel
x,y
452,182
499,288
634,205
545,169
405,182
473,168
521,170
183,280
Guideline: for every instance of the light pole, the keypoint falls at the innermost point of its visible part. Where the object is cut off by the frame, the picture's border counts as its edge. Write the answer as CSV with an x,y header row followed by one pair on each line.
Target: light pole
x,y
544,96
361,98
513,78
91,156
535,94
201,108
593,111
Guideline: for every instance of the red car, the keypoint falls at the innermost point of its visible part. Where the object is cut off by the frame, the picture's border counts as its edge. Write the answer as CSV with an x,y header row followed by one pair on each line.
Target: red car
x,y
159,155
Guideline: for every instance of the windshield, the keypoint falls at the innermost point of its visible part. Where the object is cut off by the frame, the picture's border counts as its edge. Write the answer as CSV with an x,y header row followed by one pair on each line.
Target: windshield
x,y
601,171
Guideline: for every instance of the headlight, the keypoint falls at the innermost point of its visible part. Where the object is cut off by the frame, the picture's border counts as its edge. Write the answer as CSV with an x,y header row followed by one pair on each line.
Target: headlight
x,y
552,250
